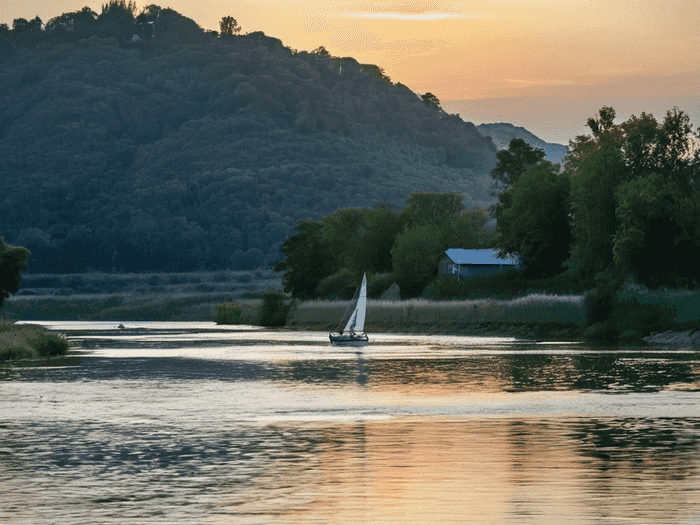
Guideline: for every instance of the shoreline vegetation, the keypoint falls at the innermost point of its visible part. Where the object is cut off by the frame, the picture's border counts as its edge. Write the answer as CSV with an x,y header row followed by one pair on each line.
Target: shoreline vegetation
x,y
26,341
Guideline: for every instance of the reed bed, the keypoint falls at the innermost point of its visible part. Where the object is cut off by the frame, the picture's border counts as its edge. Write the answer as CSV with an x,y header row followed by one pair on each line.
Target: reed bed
x,y
28,341
532,309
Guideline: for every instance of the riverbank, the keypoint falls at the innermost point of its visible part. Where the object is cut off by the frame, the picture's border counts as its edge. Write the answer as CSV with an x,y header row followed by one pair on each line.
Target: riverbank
x,y
28,341
535,316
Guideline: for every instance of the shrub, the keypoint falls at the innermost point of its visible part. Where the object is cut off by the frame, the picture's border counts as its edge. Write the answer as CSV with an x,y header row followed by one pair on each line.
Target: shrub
x,y
228,313
274,309
600,303
50,345
342,285
15,353
377,284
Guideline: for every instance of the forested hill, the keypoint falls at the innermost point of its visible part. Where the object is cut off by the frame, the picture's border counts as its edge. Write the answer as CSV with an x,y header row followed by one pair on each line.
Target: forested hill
x,y
502,133
178,149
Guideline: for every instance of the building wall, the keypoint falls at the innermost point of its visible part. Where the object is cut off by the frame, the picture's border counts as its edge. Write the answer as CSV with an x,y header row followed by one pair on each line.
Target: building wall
x,y
447,267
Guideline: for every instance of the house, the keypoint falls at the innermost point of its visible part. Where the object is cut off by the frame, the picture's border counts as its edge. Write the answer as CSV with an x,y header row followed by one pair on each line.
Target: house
x,y
468,263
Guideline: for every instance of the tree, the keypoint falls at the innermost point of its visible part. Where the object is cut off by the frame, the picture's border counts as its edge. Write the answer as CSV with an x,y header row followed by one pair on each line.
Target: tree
x,y
432,207
617,154
512,163
536,224
429,98
13,260
467,230
229,26
307,260
658,238
414,257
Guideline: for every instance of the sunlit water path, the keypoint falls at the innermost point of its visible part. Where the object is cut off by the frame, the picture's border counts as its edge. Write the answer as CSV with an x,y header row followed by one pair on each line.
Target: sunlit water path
x,y
196,423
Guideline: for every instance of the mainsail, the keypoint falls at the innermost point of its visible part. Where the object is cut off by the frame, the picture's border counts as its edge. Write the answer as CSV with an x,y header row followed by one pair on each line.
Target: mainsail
x,y
354,318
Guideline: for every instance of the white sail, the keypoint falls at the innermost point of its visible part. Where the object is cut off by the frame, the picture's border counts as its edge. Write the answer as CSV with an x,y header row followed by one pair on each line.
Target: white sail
x,y
356,323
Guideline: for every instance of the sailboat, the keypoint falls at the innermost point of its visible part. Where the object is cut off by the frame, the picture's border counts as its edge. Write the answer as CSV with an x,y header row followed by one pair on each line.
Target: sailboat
x,y
353,321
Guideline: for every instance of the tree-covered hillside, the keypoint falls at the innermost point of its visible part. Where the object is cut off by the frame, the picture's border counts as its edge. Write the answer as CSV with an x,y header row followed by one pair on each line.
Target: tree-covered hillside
x,y
141,142
502,133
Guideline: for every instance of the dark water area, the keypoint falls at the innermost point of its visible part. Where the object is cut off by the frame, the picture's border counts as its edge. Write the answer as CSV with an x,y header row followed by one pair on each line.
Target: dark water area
x,y
196,423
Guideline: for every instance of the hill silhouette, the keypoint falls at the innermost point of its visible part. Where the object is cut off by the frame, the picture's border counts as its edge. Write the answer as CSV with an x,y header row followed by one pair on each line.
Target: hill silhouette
x,y
502,133
145,143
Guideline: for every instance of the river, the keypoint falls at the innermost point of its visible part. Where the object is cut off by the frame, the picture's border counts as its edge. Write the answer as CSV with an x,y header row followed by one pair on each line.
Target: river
x,y
198,423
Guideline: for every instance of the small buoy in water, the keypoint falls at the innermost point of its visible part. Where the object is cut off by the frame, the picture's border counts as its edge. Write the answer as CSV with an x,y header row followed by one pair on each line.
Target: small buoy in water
x,y
121,326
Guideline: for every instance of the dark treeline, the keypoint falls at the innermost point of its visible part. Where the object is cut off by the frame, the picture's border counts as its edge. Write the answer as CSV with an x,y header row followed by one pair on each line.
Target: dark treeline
x,y
140,142
327,257
622,209
625,204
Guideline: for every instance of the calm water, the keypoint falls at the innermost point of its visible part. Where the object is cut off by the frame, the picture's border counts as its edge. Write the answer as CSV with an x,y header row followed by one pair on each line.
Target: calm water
x,y
194,423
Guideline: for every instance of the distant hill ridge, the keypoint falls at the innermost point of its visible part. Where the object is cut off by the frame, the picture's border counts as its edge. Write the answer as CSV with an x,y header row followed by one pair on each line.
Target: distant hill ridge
x,y
185,150
502,133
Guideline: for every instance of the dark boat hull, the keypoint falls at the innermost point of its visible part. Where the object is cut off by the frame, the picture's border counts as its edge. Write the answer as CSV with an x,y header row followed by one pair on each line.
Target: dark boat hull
x,y
349,339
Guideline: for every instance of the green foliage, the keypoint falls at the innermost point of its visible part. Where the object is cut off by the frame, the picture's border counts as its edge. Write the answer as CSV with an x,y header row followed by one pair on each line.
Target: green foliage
x,y
634,197
50,345
377,284
643,311
505,285
601,301
274,310
659,227
203,153
535,223
326,258
341,285
512,163
28,341
228,313
13,261
431,207
414,257
308,260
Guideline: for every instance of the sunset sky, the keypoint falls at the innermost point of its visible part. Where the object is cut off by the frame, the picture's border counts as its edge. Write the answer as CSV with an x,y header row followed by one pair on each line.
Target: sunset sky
x,y
546,65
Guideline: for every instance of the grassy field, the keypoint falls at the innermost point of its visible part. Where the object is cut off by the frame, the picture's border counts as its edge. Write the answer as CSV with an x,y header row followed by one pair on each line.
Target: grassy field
x,y
536,309
147,297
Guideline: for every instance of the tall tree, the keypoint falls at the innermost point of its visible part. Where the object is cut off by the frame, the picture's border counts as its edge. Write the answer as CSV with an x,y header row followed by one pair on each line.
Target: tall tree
x,y
536,224
617,154
229,26
658,237
308,260
431,207
13,261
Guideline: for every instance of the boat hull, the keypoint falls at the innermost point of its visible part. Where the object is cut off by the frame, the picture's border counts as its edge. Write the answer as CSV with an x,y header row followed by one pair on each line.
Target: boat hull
x,y
350,339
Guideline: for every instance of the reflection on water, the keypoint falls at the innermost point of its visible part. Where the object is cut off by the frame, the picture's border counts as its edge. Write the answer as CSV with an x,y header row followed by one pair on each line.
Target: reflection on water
x,y
192,423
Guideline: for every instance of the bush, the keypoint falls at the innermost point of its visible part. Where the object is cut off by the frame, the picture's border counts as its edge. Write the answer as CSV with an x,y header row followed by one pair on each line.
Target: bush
x,y
377,284
15,353
602,332
50,345
274,309
342,285
228,313
600,303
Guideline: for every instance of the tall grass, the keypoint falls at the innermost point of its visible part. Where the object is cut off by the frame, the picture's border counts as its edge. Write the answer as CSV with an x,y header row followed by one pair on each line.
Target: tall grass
x,y
28,341
532,309
505,285
643,311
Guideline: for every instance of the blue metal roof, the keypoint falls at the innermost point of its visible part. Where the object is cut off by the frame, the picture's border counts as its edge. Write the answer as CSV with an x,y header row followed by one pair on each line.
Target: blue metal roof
x,y
461,256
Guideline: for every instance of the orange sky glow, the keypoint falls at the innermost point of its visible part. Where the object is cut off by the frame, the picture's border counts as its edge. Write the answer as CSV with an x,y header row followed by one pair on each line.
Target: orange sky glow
x,y
546,65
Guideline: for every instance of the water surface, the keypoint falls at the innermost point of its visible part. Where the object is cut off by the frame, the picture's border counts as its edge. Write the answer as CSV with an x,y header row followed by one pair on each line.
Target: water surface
x,y
196,423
